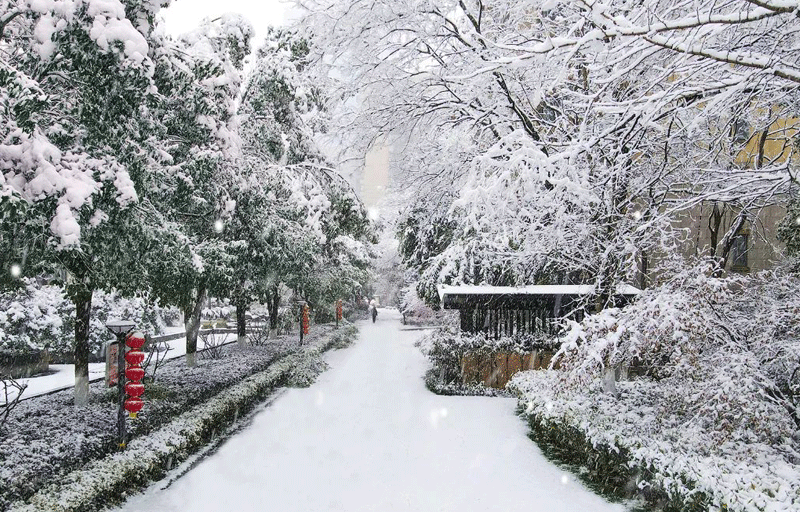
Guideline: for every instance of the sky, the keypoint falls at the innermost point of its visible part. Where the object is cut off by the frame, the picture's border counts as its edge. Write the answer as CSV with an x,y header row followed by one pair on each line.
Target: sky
x,y
184,15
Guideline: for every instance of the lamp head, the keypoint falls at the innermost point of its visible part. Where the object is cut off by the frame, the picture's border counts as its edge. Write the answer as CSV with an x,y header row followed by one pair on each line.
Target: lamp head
x,y
120,326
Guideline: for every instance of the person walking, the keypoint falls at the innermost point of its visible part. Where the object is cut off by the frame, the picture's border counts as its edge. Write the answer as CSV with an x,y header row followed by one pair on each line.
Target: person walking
x,y
373,309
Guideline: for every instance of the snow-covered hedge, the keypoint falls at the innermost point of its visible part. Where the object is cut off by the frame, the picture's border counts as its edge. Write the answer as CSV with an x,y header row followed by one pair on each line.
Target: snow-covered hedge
x,y
40,316
107,480
306,371
711,420
660,446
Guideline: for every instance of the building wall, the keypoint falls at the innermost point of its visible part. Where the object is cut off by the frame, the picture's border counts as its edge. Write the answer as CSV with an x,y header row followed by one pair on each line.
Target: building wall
x,y
764,251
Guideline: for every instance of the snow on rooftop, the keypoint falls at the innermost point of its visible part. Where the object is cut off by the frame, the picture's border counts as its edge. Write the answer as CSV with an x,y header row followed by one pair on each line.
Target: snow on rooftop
x,y
538,289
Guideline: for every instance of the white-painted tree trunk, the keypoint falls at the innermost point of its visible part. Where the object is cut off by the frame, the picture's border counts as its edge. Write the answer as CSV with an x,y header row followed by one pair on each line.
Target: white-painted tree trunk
x,y
609,380
241,341
81,389
191,359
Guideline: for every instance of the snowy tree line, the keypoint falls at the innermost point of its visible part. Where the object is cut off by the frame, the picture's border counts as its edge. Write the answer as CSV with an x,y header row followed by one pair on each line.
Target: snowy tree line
x,y
562,142
147,165
558,141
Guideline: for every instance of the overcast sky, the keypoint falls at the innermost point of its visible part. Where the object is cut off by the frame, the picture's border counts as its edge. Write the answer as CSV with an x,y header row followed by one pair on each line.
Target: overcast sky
x,y
184,15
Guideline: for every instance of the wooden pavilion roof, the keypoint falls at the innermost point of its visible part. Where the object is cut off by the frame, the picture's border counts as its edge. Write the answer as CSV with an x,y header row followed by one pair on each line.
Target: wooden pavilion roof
x,y
455,297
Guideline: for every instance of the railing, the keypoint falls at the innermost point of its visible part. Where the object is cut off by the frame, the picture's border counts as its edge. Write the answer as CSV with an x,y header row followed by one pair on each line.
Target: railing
x,y
155,339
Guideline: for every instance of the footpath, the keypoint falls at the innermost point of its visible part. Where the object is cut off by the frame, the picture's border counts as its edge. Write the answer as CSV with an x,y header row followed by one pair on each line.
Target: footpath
x,y
368,436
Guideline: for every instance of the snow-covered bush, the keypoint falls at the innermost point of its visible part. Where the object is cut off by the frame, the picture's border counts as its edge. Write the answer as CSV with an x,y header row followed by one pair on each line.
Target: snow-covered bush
x,y
306,371
344,336
710,421
732,345
35,317
148,317
218,309
446,347
39,316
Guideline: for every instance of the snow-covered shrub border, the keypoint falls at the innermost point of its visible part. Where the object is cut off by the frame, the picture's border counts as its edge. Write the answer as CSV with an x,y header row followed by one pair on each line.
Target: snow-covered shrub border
x,y
712,418
434,384
664,459
148,457
308,368
48,436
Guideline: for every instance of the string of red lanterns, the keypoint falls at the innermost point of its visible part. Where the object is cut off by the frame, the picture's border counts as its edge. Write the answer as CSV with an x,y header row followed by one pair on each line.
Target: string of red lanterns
x,y
305,319
134,373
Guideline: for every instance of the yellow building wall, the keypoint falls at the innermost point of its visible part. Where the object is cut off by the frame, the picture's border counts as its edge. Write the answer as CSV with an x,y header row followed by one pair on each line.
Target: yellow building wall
x,y
778,145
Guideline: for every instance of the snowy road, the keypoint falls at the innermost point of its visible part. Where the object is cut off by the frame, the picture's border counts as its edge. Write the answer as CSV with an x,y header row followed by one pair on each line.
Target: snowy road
x,y
368,436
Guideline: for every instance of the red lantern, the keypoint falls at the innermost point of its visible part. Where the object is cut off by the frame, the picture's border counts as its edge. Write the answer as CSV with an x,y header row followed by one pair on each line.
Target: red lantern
x,y
135,340
305,319
134,357
339,309
134,389
134,373
133,405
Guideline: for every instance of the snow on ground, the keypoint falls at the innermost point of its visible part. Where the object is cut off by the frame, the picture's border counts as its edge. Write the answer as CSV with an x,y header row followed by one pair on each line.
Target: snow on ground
x,y
62,376
369,436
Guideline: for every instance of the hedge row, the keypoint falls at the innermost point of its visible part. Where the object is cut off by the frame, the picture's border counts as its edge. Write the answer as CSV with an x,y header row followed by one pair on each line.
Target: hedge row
x,y
608,470
108,480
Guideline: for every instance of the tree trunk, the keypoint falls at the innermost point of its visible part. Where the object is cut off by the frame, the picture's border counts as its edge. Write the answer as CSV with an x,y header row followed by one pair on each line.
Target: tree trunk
x,y
192,323
241,323
644,270
82,298
609,381
727,240
274,301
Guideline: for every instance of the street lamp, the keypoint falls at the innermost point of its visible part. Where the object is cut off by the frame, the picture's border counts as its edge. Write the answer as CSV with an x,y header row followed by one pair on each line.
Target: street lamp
x,y
120,328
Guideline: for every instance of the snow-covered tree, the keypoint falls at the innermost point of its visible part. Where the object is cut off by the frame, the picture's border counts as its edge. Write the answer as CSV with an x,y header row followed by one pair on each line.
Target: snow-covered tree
x,y
75,140
311,233
198,78
567,134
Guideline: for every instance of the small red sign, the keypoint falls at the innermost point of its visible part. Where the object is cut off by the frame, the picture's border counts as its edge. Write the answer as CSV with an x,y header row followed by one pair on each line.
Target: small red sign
x,y
111,364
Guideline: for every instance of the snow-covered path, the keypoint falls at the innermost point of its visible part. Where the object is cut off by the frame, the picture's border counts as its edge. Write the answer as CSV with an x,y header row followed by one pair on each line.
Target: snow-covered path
x,y
368,436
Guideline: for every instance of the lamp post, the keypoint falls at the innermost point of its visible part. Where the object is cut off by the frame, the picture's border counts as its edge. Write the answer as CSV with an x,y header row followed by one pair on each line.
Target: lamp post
x,y
120,328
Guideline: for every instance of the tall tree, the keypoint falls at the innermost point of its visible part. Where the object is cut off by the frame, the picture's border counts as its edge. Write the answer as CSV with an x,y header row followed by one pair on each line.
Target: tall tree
x,y
199,78
561,138
311,227
77,82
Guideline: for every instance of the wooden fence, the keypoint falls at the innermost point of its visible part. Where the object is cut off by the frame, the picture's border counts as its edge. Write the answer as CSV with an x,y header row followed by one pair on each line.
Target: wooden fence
x,y
496,369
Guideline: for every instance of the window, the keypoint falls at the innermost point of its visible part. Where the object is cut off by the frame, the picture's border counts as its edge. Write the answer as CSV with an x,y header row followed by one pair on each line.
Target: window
x,y
740,132
739,252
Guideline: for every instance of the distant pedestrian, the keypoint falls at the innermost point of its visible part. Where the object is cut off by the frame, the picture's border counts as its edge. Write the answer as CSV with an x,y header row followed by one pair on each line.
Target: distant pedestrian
x,y
373,309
